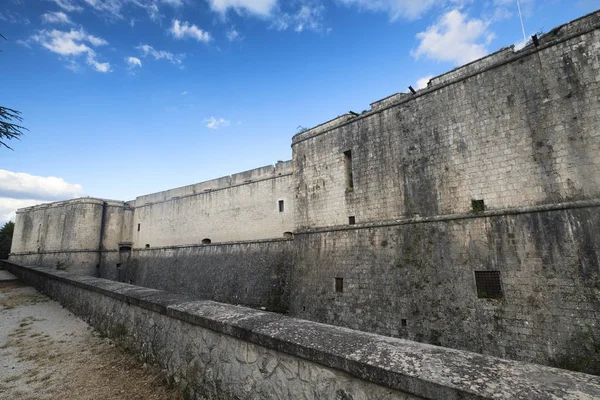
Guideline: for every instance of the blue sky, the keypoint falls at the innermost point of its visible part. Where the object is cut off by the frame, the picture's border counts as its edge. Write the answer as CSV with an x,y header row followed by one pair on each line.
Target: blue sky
x,y
129,97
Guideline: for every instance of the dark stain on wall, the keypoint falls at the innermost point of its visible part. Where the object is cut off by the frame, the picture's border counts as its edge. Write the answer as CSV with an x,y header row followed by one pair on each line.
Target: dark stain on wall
x,y
249,274
424,274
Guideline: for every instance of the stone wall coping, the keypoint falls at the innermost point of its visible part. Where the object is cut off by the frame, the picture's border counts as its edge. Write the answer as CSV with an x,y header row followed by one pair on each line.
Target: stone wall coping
x,y
29,253
81,200
423,370
279,170
591,203
324,127
594,23
205,192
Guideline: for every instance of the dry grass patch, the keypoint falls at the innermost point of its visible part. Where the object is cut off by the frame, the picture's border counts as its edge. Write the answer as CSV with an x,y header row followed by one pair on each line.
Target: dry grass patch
x,y
73,365
19,298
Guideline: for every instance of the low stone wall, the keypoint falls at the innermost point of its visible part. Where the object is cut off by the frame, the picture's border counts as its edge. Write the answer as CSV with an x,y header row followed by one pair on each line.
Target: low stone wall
x,y
82,262
220,351
253,274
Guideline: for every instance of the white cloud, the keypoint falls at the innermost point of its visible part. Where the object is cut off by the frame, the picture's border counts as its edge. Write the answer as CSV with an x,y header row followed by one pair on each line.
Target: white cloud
x,y
56,17
214,123
184,92
507,9
8,207
408,9
113,8
20,185
174,3
454,38
67,5
422,83
133,62
152,10
148,50
233,35
13,18
184,30
307,17
258,7
72,44
98,66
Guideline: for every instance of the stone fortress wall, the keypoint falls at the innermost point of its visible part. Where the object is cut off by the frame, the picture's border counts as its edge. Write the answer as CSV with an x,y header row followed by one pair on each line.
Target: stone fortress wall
x,y
227,239
493,170
244,206
80,233
464,215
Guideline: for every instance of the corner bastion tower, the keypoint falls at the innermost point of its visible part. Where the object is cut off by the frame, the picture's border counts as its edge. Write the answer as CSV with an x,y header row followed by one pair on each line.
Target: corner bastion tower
x,y
464,215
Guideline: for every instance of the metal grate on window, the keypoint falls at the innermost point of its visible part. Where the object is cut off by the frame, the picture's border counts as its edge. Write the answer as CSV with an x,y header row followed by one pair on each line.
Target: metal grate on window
x,y
477,206
488,284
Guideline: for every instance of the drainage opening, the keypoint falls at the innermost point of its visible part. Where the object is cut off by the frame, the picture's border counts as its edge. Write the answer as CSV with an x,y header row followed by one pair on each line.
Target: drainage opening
x,y
488,284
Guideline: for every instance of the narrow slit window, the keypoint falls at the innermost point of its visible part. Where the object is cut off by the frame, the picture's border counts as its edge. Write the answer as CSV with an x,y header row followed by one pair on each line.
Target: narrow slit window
x,y
348,167
488,284
339,285
281,206
139,227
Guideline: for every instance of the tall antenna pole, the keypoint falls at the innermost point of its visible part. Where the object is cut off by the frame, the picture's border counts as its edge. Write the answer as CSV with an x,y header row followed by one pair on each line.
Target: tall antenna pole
x,y
522,25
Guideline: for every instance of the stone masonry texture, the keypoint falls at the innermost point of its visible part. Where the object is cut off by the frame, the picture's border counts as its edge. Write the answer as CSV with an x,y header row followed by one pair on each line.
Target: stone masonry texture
x,y
219,351
254,274
387,221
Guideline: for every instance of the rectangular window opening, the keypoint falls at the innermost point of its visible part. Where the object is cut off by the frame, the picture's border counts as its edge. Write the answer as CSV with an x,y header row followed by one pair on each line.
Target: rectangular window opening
x,y
352,220
488,284
348,166
339,285
281,206
138,227
403,322
477,205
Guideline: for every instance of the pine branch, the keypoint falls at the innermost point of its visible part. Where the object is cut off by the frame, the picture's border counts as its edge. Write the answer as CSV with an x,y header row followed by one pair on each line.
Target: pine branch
x,y
9,128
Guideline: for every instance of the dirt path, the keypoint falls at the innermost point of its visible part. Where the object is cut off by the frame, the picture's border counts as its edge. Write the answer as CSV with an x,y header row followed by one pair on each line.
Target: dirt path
x,y
48,353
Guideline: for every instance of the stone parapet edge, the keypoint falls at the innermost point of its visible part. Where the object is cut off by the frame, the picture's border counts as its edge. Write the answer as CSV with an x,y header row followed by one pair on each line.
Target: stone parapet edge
x,y
32,253
526,52
209,191
78,201
420,369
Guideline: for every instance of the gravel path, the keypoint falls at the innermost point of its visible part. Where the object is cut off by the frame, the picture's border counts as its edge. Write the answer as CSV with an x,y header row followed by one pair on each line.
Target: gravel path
x,y
48,353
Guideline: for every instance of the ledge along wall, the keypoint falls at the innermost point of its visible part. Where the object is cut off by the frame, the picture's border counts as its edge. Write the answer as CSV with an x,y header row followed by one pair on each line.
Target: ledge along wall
x,y
219,351
495,167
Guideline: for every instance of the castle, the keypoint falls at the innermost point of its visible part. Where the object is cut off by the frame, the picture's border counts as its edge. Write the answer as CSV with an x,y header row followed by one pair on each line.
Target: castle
x,y
464,215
